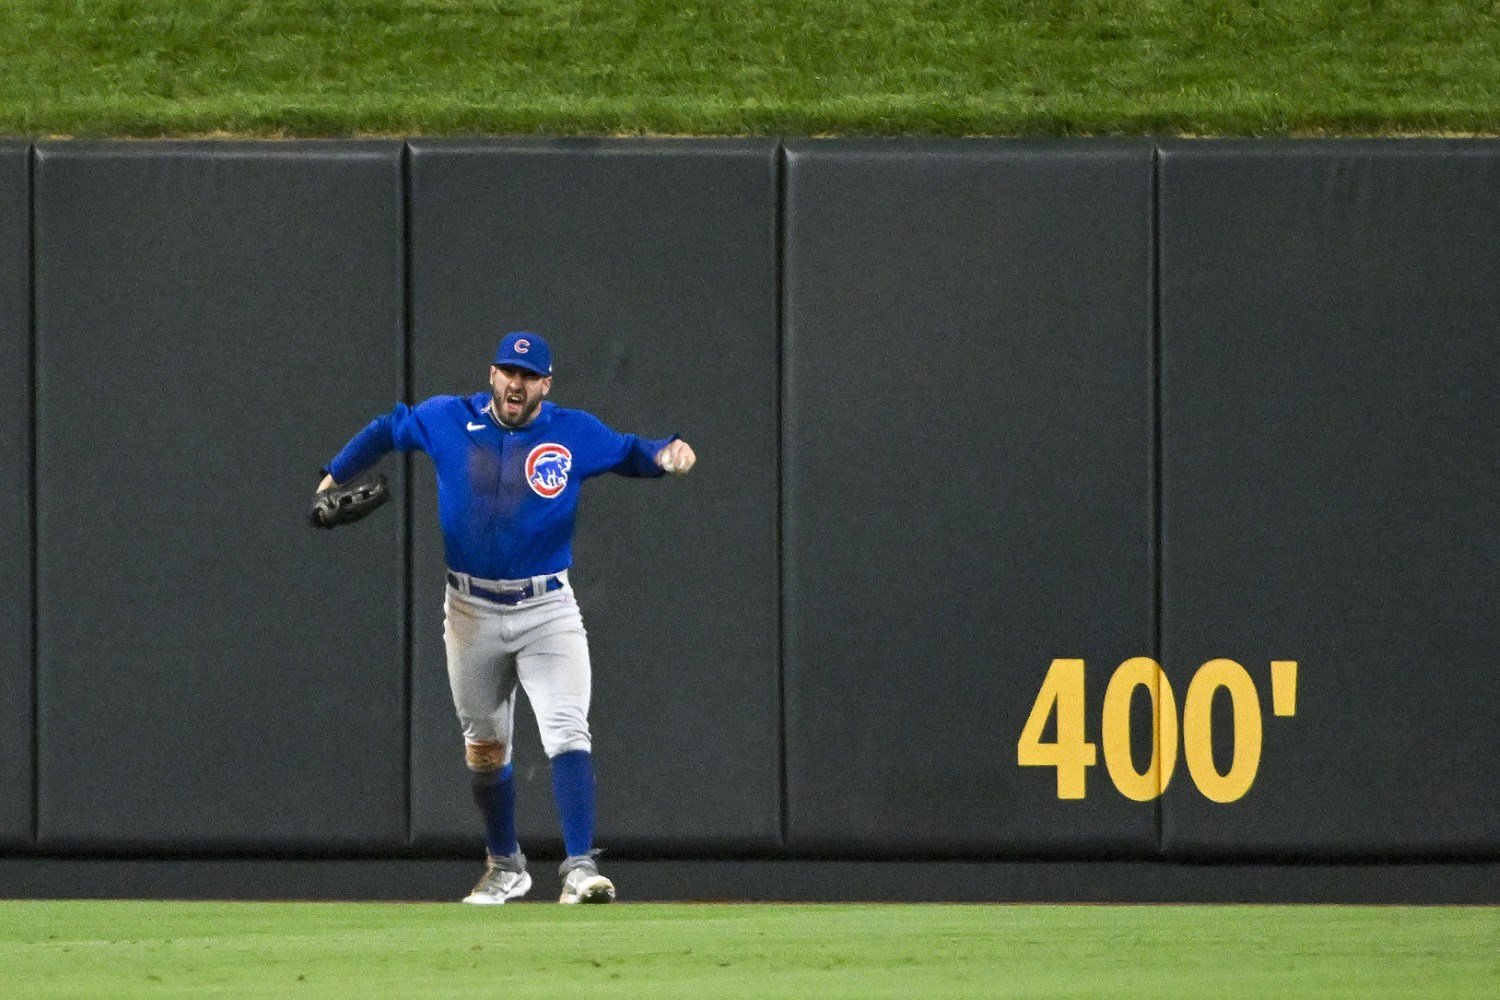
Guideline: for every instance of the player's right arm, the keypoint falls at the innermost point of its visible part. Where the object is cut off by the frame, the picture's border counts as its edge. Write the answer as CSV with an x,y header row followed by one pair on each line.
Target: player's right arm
x,y
400,430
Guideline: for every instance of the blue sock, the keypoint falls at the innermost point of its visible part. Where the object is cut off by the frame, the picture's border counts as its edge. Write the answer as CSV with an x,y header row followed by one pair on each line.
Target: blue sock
x,y
495,794
573,787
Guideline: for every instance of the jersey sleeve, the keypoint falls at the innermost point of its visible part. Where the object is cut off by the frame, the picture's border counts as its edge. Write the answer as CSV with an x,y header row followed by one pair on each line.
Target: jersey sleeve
x,y
400,430
624,454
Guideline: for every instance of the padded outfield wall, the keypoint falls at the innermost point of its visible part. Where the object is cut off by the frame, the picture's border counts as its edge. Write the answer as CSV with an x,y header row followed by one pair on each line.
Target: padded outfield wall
x,y
1058,502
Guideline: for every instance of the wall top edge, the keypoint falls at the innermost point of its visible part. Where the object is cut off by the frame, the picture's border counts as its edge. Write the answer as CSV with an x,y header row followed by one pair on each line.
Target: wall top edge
x,y
339,149
635,144
1389,146
1104,147
972,149
608,145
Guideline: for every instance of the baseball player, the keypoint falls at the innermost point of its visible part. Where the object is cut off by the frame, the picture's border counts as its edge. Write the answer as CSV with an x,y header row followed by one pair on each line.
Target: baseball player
x,y
509,469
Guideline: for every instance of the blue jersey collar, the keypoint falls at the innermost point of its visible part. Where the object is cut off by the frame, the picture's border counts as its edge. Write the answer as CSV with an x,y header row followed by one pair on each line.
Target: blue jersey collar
x,y
484,403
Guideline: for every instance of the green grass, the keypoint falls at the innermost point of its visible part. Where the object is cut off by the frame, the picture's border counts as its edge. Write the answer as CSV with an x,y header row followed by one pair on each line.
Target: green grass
x,y
369,951
341,67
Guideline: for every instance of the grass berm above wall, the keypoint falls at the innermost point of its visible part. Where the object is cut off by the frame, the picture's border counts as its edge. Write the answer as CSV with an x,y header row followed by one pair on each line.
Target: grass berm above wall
x,y
348,67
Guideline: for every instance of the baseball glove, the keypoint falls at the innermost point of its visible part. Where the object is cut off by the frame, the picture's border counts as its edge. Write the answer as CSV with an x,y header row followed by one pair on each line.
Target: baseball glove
x,y
350,502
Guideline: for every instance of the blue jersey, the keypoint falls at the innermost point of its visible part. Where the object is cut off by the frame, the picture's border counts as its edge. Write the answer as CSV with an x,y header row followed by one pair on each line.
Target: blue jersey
x,y
507,497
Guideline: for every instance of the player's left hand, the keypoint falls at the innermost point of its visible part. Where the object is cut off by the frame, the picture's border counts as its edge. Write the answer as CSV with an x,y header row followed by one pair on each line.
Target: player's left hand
x,y
676,457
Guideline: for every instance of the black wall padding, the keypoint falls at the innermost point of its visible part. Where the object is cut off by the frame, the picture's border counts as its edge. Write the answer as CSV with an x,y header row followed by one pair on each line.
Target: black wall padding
x,y
1331,420
15,494
966,483
650,268
212,321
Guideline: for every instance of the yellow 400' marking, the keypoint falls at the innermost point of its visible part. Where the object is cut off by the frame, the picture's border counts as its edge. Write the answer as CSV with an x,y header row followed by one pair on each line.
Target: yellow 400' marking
x,y
1072,755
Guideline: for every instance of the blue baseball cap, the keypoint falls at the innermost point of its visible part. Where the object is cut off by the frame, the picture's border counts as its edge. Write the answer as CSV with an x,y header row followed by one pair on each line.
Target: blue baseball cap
x,y
525,350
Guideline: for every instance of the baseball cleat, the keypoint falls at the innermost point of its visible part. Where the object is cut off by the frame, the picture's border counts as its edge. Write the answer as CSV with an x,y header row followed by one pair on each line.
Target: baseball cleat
x,y
503,878
582,882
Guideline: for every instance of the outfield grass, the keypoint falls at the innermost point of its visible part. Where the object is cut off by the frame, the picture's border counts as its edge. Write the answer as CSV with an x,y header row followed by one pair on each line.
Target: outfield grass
x,y
340,67
146,949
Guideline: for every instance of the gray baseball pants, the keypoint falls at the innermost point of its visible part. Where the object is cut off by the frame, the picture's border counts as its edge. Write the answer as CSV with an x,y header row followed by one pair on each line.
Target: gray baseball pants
x,y
539,643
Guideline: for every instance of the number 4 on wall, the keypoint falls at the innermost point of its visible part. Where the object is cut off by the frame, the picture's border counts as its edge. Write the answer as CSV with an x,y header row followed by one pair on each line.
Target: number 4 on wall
x,y
1062,697
1070,753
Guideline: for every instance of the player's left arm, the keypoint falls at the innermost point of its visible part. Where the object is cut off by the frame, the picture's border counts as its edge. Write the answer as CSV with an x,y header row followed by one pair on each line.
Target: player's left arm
x,y
632,455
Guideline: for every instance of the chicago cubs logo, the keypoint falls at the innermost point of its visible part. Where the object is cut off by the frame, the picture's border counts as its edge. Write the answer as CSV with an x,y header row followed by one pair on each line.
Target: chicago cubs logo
x,y
547,468
522,346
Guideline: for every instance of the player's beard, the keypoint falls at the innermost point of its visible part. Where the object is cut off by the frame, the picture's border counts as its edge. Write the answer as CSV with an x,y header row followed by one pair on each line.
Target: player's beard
x,y
529,406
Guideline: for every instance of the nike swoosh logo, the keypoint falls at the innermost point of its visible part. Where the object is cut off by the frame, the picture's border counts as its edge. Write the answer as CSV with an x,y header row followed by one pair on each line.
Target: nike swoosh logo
x,y
475,427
